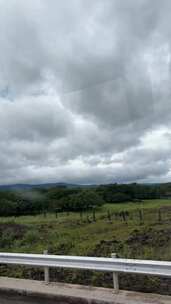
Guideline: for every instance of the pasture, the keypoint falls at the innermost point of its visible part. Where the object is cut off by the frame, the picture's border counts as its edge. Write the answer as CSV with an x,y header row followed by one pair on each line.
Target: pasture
x,y
132,230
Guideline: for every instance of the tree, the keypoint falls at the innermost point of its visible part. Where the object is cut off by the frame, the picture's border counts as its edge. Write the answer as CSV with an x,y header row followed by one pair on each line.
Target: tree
x,y
83,200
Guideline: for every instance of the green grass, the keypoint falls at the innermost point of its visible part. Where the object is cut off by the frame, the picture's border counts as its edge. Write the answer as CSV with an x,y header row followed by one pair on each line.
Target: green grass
x,y
127,206
72,235
77,235
146,204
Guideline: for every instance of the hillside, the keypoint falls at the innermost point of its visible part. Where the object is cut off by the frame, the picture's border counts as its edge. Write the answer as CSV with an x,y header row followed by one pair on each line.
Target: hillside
x,y
144,232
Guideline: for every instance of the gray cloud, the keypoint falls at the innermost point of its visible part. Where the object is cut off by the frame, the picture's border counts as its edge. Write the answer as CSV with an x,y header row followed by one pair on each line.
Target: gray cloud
x,y
85,91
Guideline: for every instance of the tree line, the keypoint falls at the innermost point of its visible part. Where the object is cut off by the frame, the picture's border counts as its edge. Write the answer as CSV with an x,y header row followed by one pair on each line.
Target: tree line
x,y
63,199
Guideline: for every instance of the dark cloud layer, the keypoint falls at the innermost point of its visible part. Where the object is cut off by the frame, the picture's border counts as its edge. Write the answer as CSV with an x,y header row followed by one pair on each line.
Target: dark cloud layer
x,y
85,91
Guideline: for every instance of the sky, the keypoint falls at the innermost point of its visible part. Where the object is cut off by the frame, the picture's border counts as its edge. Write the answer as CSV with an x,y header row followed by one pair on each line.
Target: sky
x,y
85,91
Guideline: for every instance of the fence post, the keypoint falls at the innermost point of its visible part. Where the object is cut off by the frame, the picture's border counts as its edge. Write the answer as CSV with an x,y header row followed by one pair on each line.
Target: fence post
x,y
115,277
46,270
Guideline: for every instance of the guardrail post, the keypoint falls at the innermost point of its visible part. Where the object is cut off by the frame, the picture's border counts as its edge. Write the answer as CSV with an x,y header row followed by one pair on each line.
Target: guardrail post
x,y
115,277
46,270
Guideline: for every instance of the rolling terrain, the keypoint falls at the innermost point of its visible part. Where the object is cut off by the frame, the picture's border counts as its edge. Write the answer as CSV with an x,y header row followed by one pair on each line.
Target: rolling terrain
x,y
132,230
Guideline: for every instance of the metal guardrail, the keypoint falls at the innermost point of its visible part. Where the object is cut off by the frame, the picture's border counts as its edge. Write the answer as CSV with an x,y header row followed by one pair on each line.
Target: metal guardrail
x,y
113,264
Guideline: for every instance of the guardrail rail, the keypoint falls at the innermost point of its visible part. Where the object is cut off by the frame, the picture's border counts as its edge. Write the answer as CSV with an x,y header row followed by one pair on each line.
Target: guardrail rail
x,y
113,264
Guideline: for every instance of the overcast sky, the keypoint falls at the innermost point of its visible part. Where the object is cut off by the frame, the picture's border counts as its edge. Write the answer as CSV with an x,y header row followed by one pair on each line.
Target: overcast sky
x,y
85,91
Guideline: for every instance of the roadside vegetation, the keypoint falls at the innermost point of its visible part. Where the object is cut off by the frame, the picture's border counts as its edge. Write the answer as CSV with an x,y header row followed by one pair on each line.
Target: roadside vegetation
x,y
89,222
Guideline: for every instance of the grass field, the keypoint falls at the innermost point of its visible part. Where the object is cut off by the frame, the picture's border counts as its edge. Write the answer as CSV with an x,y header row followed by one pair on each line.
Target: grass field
x,y
146,235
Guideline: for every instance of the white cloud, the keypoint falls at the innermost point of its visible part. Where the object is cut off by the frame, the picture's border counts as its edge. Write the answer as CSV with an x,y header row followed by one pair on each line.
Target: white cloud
x,y
85,91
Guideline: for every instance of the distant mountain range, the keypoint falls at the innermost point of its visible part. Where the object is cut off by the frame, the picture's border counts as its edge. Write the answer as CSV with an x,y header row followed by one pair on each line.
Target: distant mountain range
x,y
61,184
39,186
